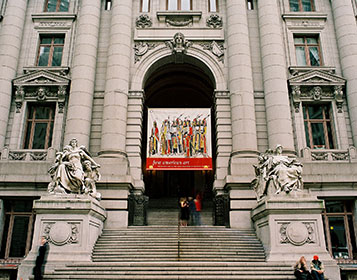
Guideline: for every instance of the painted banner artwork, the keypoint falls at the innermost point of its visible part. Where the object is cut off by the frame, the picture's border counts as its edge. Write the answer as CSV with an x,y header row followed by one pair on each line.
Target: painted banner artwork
x,y
179,139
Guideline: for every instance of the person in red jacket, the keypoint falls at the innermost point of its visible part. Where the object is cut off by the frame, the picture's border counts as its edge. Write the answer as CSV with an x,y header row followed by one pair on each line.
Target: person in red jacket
x,y
197,213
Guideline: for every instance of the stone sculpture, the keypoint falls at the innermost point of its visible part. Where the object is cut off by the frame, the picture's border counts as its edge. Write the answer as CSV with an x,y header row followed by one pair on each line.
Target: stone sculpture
x,y
276,173
74,171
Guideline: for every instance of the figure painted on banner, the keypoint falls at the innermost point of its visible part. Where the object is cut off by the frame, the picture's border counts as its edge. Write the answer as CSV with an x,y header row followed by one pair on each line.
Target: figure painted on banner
x,y
154,138
41,258
301,270
317,269
67,173
198,205
203,140
184,211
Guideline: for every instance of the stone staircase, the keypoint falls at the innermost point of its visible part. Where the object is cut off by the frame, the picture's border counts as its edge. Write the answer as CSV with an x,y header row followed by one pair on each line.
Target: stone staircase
x,y
154,253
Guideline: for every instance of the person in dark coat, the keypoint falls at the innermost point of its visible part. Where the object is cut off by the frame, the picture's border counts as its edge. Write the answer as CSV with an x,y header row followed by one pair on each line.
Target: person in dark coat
x,y
317,269
184,211
41,259
301,270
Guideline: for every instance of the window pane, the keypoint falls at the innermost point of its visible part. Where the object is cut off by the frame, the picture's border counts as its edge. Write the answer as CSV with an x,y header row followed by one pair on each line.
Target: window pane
x,y
294,5
39,138
212,6
312,41
44,55
315,112
145,6
353,237
329,133
57,56
300,56
64,6
172,5
338,237
314,56
334,206
298,40
59,40
4,237
28,135
22,205
318,136
19,237
306,5
46,41
42,112
51,5
185,5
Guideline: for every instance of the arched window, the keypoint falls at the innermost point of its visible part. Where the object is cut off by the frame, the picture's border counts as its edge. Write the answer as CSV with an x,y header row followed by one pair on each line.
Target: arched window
x,y
175,5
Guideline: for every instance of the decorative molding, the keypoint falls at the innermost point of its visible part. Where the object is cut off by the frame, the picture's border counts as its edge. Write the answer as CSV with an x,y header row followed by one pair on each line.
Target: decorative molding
x,y
222,94
136,94
61,233
329,154
216,48
178,44
179,21
214,21
141,48
143,21
179,18
297,233
317,85
53,20
305,21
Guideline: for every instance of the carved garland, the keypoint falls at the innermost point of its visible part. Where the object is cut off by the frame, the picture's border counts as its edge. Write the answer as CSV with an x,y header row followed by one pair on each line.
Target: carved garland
x,y
297,233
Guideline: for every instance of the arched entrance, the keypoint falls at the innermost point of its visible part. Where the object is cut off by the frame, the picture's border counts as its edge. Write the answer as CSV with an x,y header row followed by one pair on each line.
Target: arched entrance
x,y
184,85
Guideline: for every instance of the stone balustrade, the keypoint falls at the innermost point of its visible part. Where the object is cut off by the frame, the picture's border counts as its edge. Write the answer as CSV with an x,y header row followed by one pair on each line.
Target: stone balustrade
x,y
329,155
27,155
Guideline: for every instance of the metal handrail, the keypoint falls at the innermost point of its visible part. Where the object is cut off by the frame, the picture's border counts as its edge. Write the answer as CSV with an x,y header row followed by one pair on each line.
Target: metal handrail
x,y
178,237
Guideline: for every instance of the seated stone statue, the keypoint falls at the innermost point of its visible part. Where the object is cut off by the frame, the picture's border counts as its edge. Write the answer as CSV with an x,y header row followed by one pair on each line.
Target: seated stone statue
x,y
72,171
278,172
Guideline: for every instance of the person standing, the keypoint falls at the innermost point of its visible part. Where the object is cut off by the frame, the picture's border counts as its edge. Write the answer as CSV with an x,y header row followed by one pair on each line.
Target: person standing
x,y
301,270
41,259
193,212
317,269
184,211
198,205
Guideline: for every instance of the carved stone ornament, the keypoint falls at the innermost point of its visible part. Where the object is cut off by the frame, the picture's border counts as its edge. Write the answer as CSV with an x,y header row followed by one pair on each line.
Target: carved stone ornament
x,y
179,21
178,44
141,48
214,21
40,86
297,233
317,85
143,21
276,173
216,48
61,233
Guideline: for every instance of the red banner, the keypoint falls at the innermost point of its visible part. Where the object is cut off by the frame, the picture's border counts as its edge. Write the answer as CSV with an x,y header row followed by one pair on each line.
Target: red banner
x,y
179,163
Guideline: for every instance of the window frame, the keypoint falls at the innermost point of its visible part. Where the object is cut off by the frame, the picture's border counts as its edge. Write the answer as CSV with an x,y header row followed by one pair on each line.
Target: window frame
x,y
209,6
301,7
10,228
324,121
33,121
57,7
52,47
307,46
178,7
348,236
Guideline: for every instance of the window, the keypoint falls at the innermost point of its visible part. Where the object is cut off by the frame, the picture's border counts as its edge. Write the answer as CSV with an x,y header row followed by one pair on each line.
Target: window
x,y
318,127
39,126
145,6
18,225
307,51
302,5
213,6
174,5
339,229
108,5
250,5
50,50
56,5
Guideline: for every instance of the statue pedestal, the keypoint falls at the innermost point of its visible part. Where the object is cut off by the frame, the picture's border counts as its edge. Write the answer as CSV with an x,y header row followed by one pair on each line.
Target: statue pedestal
x,y
290,226
71,223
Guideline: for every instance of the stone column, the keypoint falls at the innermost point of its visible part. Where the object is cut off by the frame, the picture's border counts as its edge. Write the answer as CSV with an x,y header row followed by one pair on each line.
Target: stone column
x,y
240,80
80,103
117,81
346,33
10,43
275,76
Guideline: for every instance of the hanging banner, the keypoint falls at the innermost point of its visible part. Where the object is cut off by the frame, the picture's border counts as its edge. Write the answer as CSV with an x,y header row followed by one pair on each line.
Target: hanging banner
x,y
179,139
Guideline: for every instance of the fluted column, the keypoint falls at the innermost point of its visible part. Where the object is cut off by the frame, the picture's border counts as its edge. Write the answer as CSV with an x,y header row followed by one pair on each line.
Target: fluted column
x,y
346,33
80,104
240,80
10,44
275,76
117,82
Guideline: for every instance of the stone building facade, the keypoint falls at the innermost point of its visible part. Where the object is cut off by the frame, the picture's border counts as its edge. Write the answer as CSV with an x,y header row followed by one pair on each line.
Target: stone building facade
x,y
272,72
